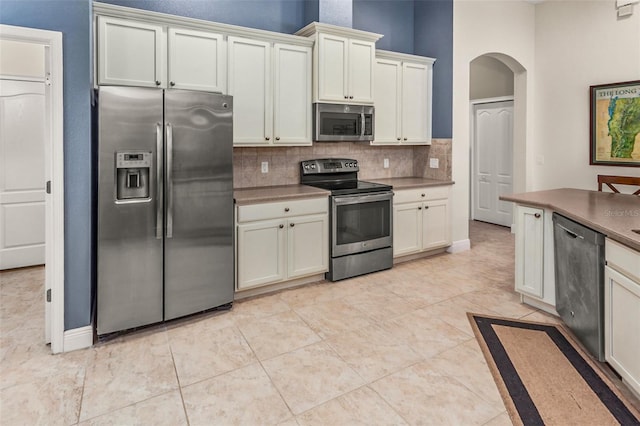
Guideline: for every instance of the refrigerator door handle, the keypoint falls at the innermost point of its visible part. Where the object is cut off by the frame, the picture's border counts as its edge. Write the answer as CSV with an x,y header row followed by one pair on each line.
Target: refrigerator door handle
x,y
159,184
169,173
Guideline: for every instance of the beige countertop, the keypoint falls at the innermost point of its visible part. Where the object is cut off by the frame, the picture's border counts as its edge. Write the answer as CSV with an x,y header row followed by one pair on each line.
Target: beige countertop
x,y
266,194
615,215
411,182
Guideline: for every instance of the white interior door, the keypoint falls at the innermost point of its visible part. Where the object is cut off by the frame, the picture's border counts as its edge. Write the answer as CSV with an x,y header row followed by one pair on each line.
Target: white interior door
x,y
22,176
492,161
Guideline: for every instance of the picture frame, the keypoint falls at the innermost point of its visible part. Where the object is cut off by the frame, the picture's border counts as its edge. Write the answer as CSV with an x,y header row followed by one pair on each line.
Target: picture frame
x,y
614,122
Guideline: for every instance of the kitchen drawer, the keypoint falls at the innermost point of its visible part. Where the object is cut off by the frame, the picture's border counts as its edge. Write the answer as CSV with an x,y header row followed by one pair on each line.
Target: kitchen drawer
x,y
282,209
420,194
622,258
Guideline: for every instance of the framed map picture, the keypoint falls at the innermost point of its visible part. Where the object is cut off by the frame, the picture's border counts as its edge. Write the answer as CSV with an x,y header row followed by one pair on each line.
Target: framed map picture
x,y
615,124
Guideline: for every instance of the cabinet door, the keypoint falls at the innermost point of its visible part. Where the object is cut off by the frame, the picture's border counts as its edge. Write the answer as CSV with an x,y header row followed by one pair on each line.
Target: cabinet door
x,y
362,57
388,101
197,60
622,326
332,72
416,113
261,253
529,250
407,228
249,74
436,225
292,95
130,53
307,245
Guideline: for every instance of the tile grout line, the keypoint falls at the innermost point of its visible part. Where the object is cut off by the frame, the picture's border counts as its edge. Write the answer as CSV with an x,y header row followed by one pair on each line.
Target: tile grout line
x,y
175,370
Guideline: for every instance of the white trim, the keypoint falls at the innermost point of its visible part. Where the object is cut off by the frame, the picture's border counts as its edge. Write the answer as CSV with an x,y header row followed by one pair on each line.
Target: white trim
x,y
336,30
22,78
54,251
491,100
396,56
104,9
78,338
460,245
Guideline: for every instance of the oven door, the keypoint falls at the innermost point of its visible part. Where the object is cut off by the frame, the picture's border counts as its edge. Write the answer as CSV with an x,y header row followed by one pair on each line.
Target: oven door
x,y
361,222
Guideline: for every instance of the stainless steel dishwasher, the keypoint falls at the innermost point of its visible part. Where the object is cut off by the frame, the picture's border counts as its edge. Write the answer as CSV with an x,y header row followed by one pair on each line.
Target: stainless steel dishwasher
x,y
579,263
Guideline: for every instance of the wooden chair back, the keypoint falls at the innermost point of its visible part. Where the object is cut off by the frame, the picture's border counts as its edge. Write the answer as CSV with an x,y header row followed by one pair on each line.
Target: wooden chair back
x,y
618,180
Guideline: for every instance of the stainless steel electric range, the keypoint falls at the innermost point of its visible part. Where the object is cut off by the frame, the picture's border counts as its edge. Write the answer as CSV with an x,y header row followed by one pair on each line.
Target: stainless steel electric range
x,y
360,217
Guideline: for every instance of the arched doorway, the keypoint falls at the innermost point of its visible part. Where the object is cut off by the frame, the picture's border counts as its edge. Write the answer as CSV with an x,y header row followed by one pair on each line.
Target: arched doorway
x,y
497,96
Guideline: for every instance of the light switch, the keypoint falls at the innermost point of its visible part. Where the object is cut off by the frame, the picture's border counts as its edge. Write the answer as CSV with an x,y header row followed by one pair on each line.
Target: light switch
x,y
265,167
434,163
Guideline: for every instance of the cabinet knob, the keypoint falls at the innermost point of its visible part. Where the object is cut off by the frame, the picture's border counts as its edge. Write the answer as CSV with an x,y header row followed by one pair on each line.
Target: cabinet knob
x,y
281,226
286,209
158,82
426,207
292,225
277,138
405,139
350,97
398,138
172,83
537,215
267,138
419,208
422,195
346,97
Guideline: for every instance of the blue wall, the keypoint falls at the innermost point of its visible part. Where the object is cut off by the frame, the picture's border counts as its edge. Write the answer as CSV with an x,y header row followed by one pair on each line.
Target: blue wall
x,y
72,18
284,16
433,37
393,18
431,22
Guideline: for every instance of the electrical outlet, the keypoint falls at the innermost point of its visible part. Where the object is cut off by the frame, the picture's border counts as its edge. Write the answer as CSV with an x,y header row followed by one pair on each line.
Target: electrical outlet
x,y
265,167
385,163
434,163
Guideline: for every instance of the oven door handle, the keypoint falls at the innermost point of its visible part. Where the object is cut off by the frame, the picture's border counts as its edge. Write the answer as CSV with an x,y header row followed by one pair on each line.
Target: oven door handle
x,y
366,198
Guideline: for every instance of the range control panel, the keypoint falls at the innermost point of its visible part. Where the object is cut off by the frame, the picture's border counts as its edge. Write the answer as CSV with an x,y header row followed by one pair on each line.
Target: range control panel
x,y
329,165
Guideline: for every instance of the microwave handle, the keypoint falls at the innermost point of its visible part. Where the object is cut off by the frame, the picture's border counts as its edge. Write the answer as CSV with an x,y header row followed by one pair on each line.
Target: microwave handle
x,y
362,124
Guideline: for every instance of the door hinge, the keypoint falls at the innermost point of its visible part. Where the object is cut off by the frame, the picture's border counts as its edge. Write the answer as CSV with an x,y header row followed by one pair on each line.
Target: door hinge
x,y
48,187
48,295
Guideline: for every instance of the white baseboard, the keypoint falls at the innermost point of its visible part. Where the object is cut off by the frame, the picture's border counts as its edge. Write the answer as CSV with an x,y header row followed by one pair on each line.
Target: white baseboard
x,y
460,245
78,338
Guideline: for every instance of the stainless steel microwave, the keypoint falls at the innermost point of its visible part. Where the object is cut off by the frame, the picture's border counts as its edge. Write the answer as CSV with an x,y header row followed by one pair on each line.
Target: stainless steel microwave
x,y
338,122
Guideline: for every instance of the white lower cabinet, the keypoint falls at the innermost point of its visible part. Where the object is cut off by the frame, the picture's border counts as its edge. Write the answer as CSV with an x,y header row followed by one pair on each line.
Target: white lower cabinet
x,y
281,241
529,251
622,312
421,220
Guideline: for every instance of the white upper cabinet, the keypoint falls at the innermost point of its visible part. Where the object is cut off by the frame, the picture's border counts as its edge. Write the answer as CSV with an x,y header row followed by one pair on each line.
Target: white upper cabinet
x,y
130,53
388,105
250,85
292,94
403,96
271,89
197,60
133,53
343,63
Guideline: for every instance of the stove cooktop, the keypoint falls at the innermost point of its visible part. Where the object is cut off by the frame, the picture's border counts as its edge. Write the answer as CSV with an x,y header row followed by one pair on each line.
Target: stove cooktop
x,y
351,187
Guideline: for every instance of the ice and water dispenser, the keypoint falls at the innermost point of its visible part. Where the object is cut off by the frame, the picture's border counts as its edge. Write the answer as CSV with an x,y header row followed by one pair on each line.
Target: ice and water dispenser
x,y
132,175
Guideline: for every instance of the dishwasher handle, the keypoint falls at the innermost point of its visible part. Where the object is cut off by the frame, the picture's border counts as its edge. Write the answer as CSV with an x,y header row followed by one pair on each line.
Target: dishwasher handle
x,y
570,233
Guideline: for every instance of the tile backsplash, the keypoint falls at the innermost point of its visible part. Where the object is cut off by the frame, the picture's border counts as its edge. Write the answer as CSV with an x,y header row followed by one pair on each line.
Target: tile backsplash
x,y
284,162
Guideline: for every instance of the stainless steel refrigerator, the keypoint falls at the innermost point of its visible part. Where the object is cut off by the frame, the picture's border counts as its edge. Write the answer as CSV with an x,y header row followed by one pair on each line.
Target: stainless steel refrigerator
x,y
165,205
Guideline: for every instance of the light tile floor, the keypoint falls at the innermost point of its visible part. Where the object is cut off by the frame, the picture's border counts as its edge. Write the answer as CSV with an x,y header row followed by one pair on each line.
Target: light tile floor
x,y
393,347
